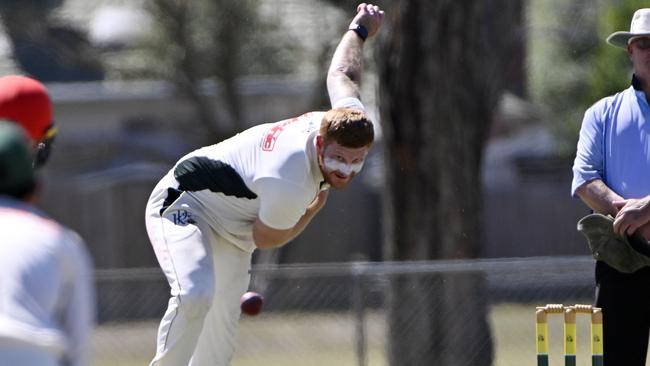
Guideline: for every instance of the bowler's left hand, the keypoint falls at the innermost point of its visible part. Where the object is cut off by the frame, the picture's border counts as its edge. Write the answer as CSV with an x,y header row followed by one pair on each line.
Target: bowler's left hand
x,y
319,201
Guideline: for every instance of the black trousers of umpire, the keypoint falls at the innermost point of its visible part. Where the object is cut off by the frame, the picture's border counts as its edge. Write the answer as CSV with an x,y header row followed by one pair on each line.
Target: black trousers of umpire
x,y
625,300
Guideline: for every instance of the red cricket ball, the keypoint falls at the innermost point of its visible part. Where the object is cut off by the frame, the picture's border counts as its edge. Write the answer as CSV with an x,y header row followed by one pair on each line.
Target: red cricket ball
x,y
251,303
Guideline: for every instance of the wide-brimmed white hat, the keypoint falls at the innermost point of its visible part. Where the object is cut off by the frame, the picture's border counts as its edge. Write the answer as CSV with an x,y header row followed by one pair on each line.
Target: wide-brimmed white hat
x,y
639,27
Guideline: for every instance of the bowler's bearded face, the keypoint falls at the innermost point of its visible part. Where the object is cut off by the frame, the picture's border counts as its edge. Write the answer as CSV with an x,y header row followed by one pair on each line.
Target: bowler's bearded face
x,y
340,164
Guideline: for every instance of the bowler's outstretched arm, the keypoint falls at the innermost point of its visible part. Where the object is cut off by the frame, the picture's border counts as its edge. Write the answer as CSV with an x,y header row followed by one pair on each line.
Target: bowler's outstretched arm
x,y
344,75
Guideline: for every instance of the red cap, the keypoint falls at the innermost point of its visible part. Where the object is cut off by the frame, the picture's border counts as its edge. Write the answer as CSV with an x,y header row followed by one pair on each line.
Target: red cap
x,y
25,101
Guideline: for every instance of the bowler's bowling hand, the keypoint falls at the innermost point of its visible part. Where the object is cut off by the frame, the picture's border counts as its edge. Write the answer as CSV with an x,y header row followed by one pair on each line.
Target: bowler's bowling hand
x,y
369,16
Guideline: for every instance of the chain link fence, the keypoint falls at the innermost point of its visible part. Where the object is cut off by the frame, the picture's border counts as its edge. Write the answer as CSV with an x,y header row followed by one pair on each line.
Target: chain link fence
x,y
342,314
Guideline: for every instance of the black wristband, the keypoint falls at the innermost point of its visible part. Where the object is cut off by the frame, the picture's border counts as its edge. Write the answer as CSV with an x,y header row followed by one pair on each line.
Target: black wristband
x,y
360,30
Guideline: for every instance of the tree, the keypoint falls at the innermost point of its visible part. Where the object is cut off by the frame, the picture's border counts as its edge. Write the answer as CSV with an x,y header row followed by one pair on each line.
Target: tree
x,y
441,74
45,48
220,41
573,65
609,69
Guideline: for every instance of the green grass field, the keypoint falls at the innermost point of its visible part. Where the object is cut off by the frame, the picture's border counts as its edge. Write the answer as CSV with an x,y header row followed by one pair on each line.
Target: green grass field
x,y
328,339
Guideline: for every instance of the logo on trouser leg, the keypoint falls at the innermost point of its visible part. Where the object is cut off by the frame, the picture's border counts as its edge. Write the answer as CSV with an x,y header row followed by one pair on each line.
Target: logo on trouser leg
x,y
182,217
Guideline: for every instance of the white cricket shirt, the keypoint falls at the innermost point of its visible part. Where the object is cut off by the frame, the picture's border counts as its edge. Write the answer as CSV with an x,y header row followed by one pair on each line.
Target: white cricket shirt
x,y
46,291
269,171
279,177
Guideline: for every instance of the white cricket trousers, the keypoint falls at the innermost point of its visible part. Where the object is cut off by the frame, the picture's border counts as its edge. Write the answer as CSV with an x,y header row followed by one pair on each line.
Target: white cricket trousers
x,y
207,276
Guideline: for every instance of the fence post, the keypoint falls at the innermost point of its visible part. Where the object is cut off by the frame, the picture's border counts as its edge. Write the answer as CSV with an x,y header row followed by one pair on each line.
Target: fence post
x,y
359,312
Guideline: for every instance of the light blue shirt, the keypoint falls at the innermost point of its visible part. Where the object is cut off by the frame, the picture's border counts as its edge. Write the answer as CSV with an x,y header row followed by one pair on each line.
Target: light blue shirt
x,y
614,144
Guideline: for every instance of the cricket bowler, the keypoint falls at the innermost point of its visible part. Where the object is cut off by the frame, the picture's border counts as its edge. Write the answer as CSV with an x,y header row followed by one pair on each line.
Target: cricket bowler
x,y
257,190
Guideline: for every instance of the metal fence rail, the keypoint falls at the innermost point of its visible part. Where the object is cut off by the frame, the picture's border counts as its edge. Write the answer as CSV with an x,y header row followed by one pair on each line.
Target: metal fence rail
x,y
338,313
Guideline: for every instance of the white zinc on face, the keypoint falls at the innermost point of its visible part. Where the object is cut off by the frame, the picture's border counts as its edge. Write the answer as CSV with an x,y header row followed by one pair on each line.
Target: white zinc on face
x,y
332,165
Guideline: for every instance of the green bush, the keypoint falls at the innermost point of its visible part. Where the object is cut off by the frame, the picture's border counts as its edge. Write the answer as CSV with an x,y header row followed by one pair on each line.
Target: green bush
x,y
571,65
